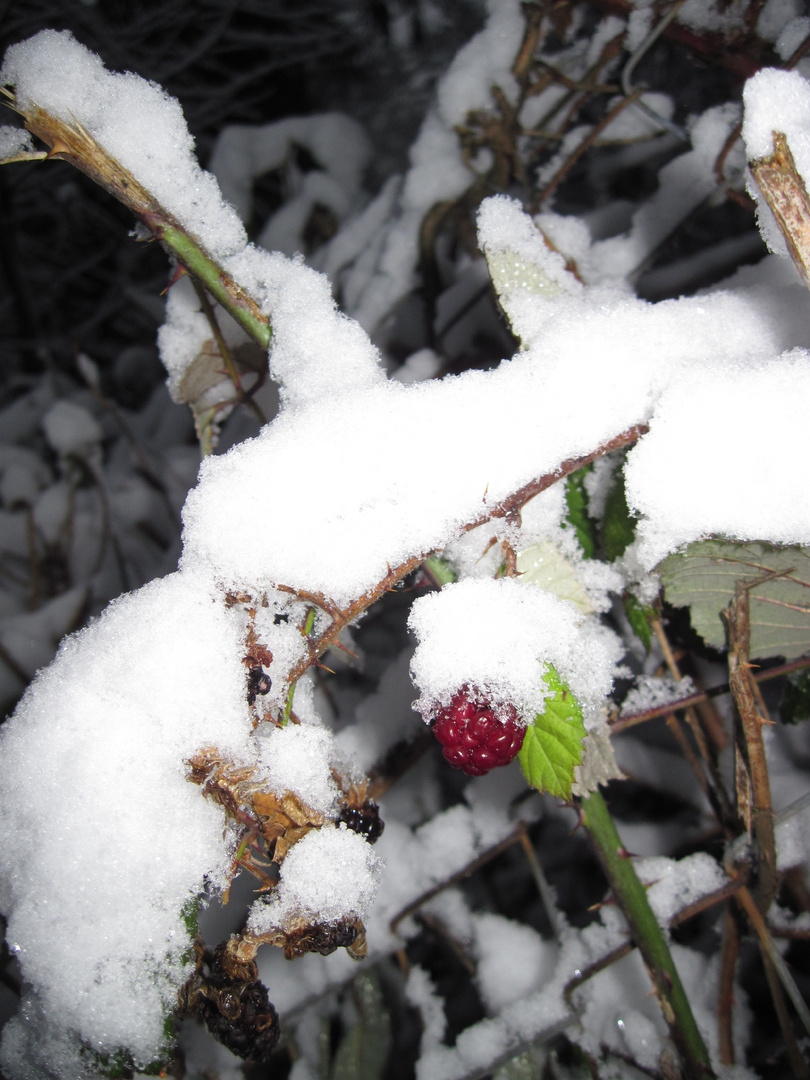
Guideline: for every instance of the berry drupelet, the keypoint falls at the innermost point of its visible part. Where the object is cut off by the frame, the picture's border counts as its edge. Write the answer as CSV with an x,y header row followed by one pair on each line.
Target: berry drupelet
x,y
475,739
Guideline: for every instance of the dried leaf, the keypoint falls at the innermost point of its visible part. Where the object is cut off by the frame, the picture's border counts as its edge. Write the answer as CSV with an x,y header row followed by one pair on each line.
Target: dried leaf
x,y
208,389
598,763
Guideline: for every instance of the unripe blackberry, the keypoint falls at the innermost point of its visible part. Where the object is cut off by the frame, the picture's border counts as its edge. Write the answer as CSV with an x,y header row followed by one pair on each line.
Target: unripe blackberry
x,y
475,739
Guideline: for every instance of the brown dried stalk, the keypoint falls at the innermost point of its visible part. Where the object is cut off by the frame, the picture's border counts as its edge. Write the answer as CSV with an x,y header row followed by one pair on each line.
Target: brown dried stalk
x,y
785,193
712,785
750,746
725,996
72,143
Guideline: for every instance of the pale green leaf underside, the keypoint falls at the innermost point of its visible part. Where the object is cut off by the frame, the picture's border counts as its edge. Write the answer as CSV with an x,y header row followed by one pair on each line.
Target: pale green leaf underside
x,y
552,748
509,271
704,577
544,564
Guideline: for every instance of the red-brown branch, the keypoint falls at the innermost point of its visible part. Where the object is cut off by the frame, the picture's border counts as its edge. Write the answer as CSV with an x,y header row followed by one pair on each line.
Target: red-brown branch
x,y
511,505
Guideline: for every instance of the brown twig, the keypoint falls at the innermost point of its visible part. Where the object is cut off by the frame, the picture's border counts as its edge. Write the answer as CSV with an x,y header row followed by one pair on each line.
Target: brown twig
x,y
587,141
783,189
621,723
506,508
750,744
712,785
770,961
460,875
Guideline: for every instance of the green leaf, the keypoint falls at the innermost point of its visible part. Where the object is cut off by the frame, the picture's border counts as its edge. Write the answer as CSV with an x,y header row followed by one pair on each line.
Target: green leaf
x,y
796,699
363,1053
576,499
440,570
704,577
618,527
552,748
639,616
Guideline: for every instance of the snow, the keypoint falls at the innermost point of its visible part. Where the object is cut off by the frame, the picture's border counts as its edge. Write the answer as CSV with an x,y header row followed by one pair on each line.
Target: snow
x,y
756,408
297,758
97,747
484,62
329,875
243,153
513,960
358,475
653,691
776,101
673,886
14,141
421,994
71,429
496,635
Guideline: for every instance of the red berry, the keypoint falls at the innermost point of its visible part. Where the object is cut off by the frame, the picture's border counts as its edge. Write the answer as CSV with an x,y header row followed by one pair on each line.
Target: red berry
x,y
473,738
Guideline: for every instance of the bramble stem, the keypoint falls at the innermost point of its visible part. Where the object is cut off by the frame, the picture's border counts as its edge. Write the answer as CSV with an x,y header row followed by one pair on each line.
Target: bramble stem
x,y
220,285
72,143
648,936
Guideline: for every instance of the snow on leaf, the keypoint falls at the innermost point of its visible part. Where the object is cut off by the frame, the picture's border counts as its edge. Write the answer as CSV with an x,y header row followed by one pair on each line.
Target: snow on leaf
x,y
509,271
552,748
544,565
704,577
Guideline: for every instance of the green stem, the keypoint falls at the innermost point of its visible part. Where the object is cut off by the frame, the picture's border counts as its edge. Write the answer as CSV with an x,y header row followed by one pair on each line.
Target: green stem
x,y
220,285
306,630
648,936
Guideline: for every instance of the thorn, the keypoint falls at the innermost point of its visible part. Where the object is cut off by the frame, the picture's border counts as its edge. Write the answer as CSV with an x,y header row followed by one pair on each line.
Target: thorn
x,y
179,271
323,667
623,853
57,148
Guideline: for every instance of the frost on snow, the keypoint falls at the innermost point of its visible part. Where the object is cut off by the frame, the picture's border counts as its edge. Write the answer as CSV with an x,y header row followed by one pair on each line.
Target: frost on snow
x,y
356,476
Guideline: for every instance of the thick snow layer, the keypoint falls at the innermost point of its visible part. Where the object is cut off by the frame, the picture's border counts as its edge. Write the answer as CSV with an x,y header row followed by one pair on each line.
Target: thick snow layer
x,y
496,635
747,437
331,874
777,100
298,758
104,839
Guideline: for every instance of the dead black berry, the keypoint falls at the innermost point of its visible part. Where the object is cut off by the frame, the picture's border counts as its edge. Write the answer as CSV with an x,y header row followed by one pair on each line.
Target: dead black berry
x,y
237,1010
364,819
259,682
